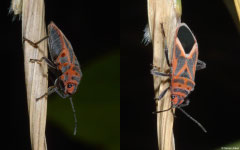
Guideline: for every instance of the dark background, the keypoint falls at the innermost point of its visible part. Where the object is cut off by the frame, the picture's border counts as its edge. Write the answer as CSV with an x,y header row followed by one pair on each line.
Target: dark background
x,y
215,100
93,29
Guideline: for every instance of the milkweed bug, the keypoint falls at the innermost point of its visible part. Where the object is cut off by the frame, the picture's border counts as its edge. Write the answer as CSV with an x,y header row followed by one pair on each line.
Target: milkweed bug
x,y
63,64
183,66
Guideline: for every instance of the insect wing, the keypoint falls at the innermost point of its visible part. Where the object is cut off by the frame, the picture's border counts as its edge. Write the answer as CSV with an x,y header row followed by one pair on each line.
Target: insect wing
x,y
185,53
59,43
55,41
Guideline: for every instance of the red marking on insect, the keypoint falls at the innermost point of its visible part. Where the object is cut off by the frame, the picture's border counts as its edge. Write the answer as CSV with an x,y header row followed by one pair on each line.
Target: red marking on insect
x,y
63,64
183,66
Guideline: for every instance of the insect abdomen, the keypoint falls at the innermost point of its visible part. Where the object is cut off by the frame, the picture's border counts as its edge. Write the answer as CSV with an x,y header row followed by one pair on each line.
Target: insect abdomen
x,y
184,85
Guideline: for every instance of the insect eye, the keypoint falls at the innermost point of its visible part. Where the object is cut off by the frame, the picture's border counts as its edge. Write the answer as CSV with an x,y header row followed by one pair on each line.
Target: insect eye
x,y
173,96
69,85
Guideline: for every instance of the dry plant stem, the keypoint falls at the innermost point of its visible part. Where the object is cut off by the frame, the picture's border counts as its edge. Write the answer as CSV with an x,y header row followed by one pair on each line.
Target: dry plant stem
x,y
162,12
237,5
33,28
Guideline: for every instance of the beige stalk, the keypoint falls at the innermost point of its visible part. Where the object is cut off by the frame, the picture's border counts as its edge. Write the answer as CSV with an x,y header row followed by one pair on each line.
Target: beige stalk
x,y
167,13
36,78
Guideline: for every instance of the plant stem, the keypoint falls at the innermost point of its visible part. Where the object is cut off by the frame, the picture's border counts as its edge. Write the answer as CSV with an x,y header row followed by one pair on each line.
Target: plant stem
x,y
33,28
163,12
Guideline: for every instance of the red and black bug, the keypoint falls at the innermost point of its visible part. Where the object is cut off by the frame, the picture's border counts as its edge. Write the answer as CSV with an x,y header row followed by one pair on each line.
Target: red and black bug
x,y
63,64
183,66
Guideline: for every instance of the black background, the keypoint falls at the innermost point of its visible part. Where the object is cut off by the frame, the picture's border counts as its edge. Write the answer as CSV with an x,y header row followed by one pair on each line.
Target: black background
x,y
93,29
215,100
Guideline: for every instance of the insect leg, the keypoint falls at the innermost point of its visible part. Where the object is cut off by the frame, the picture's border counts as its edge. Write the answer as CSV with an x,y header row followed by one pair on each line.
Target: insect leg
x,y
35,45
49,62
155,72
51,90
155,112
162,94
62,95
200,65
166,54
159,98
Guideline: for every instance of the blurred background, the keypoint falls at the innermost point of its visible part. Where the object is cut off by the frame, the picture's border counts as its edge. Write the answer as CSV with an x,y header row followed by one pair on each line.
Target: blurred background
x,y
94,34
215,100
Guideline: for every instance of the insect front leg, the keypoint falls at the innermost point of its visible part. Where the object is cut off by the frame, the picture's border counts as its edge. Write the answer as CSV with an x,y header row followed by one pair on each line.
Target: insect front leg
x,y
155,72
35,44
200,65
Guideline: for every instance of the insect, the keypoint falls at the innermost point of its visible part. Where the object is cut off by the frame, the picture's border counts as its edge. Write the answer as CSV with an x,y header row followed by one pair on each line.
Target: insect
x,y
63,64
183,66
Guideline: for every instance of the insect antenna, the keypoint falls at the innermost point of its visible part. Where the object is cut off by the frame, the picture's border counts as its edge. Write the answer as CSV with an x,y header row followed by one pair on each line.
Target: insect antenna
x,y
194,120
75,117
155,112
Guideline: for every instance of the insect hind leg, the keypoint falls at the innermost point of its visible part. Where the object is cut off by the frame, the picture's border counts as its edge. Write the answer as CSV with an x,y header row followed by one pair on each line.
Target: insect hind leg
x,y
51,90
162,94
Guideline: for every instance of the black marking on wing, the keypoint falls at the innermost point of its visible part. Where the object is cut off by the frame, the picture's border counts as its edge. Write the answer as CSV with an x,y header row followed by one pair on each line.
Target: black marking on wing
x,y
185,74
180,63
55,45
186,38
